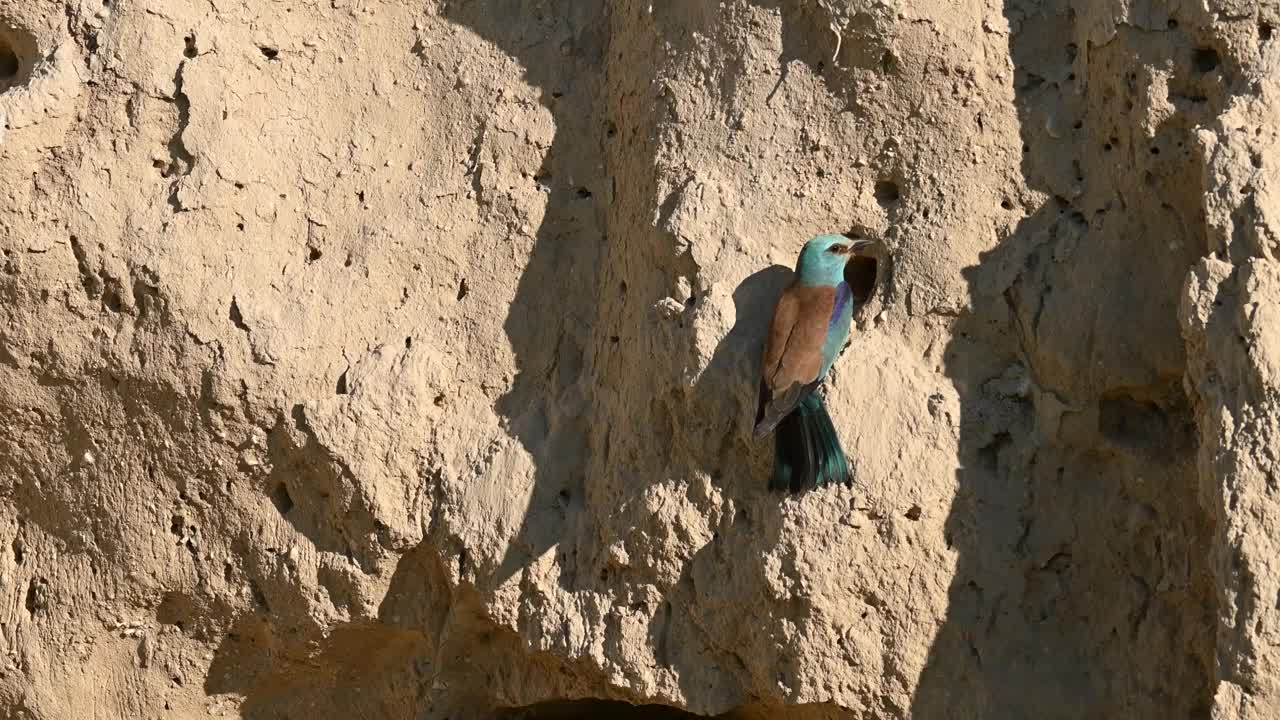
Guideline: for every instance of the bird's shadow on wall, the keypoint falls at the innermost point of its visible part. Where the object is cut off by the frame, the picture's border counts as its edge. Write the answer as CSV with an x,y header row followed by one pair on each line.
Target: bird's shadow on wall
x,y
724,399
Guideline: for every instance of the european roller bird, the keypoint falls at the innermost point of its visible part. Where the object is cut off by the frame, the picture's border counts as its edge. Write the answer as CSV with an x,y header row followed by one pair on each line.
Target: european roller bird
x,y
810,327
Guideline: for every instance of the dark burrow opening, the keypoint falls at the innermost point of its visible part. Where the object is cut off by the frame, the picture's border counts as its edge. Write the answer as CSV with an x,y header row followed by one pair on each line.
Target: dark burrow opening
x,y
887,193
861,272
10,66
17,57
617,710
591,708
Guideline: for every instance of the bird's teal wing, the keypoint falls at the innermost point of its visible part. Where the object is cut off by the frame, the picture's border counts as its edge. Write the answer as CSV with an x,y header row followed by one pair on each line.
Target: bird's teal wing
x,y
794,361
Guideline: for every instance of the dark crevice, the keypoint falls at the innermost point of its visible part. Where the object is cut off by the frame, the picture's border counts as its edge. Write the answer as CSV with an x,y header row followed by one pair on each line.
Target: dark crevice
x,y
592,708
89,280
181,161
281,499
236,317
37,595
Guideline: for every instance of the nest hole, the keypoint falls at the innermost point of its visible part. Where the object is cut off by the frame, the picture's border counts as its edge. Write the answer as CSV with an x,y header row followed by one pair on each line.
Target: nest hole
x,y
887,193
861,273
18,56
1205,59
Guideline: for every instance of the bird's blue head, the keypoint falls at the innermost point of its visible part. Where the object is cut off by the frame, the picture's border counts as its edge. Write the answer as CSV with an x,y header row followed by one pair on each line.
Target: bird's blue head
x,y
823,259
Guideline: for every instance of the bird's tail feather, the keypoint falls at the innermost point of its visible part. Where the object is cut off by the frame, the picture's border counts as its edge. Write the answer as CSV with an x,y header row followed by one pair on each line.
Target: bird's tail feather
x,y
807,452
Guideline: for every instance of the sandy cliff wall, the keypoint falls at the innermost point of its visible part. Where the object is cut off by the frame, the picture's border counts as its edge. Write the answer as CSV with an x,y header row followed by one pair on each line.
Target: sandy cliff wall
x,y
364,358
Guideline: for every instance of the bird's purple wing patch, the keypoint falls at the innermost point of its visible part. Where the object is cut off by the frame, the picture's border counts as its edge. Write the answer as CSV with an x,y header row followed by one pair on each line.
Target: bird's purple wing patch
x,y
844,296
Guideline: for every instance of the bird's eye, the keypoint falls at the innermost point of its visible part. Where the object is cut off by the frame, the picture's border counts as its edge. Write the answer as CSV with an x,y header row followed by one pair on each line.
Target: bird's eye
x,y
838,249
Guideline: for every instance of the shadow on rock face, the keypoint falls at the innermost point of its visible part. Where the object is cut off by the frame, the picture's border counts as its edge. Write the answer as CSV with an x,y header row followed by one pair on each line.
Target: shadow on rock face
x,y
720,436
550,319
591,709
1081,589
365,668
319,677
716,588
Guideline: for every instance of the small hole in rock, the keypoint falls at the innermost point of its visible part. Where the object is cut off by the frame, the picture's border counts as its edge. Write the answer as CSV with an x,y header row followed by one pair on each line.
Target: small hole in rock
x,y
269,53
314,254
1256,160
914,512
281,499
463,290
240,227
583,193
1264,32
1006,204
1172,24
408,343
190,51
1205,59
342,388
37,595
887,193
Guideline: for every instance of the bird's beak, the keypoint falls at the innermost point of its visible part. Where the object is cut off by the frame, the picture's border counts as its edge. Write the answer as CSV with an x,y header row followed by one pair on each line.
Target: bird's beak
x,y
857,244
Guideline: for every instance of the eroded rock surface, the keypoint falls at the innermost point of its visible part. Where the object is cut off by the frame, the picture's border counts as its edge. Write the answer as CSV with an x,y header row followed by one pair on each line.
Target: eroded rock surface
x,y
379,359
